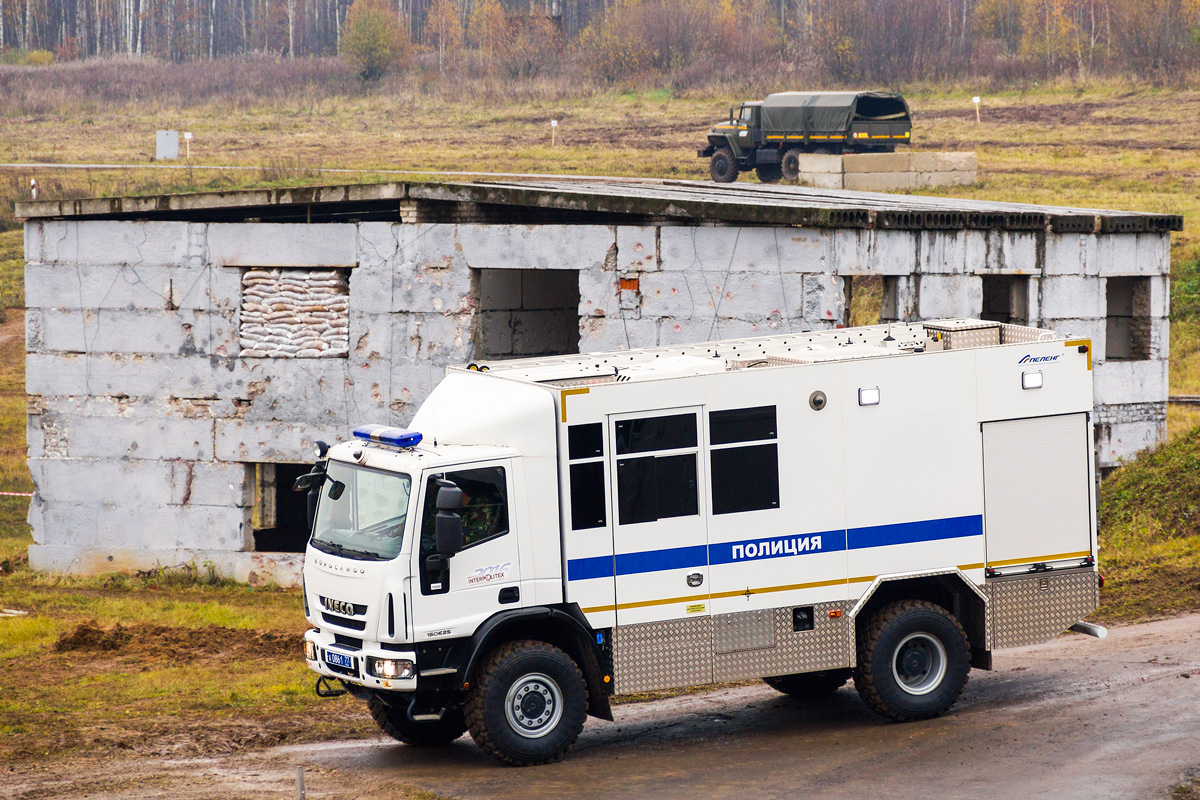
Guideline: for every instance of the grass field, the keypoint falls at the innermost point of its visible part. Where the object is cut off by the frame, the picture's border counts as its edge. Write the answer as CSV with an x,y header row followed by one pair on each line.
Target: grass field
x,y
199,665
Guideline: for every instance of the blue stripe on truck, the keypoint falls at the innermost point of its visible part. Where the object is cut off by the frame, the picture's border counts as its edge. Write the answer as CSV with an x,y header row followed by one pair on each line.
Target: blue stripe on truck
x,y
581,569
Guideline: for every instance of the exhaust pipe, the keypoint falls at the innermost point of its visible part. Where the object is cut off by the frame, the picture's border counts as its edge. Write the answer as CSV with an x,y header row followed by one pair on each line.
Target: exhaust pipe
x,y
1088,629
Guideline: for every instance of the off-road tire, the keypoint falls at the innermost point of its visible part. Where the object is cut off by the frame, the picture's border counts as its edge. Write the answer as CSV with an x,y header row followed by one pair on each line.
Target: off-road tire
x,y
769,173
807,685
879,638
789,165
394,721
504,669
723,167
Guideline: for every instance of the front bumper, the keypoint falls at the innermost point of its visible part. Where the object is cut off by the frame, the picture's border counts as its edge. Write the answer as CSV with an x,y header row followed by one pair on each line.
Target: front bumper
x,y
325,643
706,152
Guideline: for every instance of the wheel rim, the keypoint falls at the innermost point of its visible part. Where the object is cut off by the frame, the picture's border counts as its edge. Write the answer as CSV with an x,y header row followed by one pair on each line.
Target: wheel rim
x,y
533,705
919,663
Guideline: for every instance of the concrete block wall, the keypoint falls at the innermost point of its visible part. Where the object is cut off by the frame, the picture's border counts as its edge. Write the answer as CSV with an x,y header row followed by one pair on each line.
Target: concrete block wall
x,y
145,419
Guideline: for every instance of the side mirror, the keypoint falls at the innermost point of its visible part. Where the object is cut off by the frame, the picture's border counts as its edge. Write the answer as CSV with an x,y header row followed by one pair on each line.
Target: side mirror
x,y
447,526
308,481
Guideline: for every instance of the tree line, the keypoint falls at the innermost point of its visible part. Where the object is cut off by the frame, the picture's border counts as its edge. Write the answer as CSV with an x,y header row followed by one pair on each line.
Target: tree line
x,y
620,40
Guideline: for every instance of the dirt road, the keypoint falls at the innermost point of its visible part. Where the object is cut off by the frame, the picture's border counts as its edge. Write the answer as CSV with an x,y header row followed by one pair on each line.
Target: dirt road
x,y
1074,718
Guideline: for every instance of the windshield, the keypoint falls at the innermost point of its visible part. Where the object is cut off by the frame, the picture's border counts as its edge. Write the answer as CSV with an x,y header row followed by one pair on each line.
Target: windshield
x,y
361,512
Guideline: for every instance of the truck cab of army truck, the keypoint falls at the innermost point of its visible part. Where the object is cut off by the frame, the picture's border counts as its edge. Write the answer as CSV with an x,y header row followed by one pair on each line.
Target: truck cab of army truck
x,y
769,136
890,503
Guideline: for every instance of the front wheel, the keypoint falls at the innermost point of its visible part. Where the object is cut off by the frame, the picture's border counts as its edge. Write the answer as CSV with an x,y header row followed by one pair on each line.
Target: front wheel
x,y
528,704
723,167
913,660
394,721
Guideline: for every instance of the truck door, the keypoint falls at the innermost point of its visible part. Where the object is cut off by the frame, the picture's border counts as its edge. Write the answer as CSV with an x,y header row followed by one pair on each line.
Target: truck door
x,y
660,539
1037,490
484,577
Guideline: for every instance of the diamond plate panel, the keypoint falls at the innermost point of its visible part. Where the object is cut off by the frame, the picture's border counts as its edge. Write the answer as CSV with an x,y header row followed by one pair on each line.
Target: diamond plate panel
x,y
1030,610
747,630
662,655
1019,334
829,645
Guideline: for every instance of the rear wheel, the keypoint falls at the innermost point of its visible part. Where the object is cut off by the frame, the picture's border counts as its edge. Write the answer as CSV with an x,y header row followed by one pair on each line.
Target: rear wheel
x,y
790,165
768,173
809,684
394,721
723,167
528,704
913,661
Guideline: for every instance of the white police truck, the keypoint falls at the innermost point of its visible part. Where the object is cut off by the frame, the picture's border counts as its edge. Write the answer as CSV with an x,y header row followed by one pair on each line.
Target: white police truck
x,y
889,503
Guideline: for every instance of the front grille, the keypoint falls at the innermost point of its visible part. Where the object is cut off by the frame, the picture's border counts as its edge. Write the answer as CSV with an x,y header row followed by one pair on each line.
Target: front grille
x,y
342,622
341,670
348,641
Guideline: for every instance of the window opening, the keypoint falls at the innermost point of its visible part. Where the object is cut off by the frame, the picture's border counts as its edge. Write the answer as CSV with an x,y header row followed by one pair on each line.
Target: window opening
x,y
484,514
278,516
744,459
1127,332
1005,299
527,312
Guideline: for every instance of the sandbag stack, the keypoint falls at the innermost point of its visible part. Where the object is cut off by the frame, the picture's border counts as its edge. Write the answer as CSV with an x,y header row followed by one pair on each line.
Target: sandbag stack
x,y
295,313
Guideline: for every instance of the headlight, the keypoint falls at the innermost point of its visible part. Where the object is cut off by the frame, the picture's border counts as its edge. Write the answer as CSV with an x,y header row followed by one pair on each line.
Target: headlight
x,y
310,650
389,668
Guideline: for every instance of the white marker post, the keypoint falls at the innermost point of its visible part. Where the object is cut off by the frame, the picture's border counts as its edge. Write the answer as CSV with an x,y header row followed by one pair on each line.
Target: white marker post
x,y
553,131
975,100
187,138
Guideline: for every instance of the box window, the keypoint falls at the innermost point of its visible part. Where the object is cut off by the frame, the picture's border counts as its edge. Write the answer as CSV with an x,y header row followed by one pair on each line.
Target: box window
x,y
744,477
587,496
656,487
647,434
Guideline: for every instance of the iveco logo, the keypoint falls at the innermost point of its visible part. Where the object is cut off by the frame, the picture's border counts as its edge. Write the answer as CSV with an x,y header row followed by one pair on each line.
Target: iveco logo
x,y
338,606
332,567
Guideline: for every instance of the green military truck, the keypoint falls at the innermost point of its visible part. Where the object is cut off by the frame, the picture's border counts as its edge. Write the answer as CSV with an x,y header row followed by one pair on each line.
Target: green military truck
x,y
769,135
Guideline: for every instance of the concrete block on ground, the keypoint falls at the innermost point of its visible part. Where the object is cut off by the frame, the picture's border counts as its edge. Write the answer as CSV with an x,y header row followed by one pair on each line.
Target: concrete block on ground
x,y
143,526
256,569
875,163
949,296
139,243
637,249
926,180
134,375
535,246
1130,381
943,162
1070,296
268,244
880,181
821,164
822,180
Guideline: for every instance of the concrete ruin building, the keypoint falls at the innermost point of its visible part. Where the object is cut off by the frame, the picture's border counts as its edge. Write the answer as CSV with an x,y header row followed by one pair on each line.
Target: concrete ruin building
x,y
186,351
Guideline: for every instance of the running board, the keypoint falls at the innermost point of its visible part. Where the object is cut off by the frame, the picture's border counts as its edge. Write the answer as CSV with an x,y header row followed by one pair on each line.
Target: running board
x,y
1088,629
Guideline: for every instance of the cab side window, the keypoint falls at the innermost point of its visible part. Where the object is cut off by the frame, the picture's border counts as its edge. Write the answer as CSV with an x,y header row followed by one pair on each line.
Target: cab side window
x,y
484,514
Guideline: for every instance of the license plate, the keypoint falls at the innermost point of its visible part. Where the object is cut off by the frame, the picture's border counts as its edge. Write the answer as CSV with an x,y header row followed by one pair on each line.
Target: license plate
x,y
342,660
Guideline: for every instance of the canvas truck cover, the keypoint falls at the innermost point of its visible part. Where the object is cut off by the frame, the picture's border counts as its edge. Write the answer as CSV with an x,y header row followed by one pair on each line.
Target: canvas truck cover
x,y
828,111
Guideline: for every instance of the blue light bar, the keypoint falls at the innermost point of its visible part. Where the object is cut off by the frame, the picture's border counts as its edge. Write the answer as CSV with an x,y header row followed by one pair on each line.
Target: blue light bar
x,y
385,434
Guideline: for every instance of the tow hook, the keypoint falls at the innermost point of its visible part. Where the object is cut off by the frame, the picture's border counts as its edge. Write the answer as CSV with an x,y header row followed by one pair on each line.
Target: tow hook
x,y
324,689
